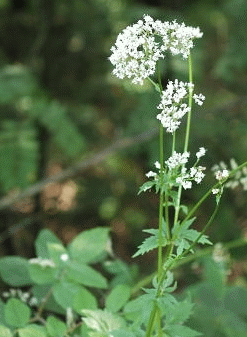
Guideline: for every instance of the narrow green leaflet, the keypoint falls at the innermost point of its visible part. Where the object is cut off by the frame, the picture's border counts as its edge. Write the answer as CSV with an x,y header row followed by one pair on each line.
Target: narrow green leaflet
x,y
184,236
84,300
14,271
5,332
151,242
55,327
33,330
90,245
17,313
41,244
146,186
118,298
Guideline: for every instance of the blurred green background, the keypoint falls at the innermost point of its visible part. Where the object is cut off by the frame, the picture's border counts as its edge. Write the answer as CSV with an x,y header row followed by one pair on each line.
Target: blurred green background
x,y
61,110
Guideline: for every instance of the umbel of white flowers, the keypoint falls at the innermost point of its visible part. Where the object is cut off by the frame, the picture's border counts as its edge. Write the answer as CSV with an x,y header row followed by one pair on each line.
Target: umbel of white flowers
x,y
140,46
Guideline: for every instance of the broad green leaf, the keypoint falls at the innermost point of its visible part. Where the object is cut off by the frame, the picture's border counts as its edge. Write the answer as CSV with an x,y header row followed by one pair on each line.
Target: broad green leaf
x,y
139,308
2,319
5,332
41,244
33,330
102,321
118,298
56,251
84,300
123,272
42,275
179,312
235,300
215,275
85,275
55,327
65,293
17,313
14,271
89,245
181,330
233,325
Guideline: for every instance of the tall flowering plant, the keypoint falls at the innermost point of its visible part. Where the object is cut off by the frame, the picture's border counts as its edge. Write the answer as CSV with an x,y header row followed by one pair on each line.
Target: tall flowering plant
x,y
136,55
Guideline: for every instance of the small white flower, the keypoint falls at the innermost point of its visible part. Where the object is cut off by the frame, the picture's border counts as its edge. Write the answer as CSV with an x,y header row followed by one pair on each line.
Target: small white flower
x,y
185,183
6,294
221,174
33,301
151,174
201,152
215,190
157,165
199,98
64,257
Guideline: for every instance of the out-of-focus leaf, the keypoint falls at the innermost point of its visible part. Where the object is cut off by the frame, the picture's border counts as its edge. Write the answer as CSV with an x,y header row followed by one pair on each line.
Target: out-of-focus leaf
x,y
14,270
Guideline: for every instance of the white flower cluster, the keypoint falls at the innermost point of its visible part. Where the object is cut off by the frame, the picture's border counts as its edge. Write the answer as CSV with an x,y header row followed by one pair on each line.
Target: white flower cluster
x,y
175,165
43,262
194,174
238,179
172,106
23,296
186,176
140,46
177,159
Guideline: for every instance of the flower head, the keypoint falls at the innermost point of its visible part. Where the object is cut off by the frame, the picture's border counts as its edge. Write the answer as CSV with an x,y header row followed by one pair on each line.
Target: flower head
x,y
177,159
140,46
173,106
201,152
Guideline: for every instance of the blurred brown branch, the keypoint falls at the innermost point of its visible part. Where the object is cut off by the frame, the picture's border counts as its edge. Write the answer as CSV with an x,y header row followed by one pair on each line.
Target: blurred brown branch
x,y
94,159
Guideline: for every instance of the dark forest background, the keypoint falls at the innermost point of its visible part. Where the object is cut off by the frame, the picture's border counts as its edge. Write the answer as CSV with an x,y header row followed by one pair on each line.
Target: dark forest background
x,y
64,119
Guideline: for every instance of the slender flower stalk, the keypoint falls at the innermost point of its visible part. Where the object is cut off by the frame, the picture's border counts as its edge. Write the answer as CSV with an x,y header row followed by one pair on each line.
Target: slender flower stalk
x,y
187,135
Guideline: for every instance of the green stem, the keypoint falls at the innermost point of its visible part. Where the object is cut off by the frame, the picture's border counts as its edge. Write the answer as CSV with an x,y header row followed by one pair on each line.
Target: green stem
x,y
202,252
173,141
159,322
161,201
151,321
187,136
